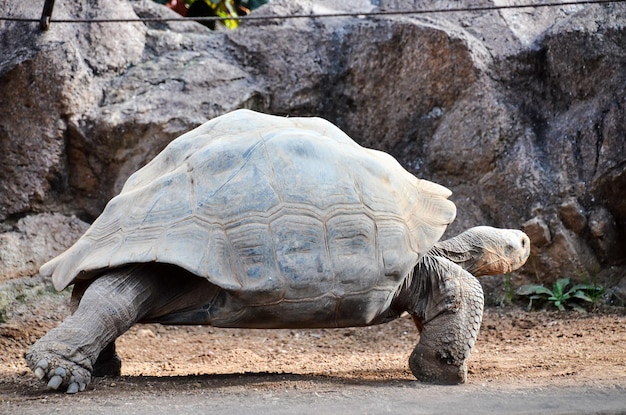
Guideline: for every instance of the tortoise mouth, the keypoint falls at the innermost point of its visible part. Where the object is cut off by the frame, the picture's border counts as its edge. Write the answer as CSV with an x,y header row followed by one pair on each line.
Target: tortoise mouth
x,y
517,263
495,265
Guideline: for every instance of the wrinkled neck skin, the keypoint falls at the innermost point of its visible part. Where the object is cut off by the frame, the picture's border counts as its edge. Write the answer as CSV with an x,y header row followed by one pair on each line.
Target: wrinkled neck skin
x,y
485,251
429,276
460,251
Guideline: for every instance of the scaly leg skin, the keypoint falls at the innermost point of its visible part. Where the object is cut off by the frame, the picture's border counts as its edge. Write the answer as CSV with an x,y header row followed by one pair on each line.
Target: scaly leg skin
x,y
84,344
449,324
65,356
108,362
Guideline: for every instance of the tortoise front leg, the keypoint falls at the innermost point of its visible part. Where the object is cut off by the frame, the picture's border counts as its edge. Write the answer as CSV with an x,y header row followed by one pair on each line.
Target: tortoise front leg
x,y
448,315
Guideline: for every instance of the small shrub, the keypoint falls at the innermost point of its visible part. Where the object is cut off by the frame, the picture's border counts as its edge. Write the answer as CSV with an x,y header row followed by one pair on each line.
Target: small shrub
x,y
563,294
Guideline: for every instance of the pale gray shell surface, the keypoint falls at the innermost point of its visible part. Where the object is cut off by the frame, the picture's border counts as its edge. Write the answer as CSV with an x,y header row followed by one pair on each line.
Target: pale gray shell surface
x,y
271,209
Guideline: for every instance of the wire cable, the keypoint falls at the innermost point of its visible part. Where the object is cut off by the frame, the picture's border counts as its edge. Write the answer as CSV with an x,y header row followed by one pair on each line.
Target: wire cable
x,y
316,16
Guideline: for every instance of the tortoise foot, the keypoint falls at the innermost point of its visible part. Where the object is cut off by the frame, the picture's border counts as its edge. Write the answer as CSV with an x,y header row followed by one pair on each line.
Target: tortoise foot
x,y
58,371
430,366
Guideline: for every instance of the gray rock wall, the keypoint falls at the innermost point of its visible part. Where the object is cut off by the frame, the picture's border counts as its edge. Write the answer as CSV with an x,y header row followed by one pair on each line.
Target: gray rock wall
x,y
520,112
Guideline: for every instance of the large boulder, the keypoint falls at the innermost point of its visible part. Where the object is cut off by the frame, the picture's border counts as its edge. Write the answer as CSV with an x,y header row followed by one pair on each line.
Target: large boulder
x,y
86,105
33,240
520,112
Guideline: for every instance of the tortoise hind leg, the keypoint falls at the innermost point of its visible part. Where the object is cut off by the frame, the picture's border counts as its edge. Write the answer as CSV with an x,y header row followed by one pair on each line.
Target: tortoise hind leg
x,y
449,324
108,362
66,355
84,344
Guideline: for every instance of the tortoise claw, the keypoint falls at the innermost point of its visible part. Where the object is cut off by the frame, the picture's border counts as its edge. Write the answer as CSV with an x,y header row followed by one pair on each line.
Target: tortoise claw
x,y
39,373
55,382
73,388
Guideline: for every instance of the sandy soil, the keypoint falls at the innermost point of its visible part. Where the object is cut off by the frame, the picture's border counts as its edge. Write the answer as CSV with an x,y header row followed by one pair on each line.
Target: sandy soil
x,y
515,348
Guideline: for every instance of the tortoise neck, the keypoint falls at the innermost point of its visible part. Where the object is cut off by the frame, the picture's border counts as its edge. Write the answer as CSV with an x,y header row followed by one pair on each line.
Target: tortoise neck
x,y
459,250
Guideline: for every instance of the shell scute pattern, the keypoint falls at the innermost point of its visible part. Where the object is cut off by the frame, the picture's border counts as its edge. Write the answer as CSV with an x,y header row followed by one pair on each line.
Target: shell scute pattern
x,y
299,242
273,210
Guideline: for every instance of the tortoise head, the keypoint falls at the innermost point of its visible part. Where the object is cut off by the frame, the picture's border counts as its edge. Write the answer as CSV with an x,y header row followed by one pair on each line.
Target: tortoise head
x,y
503,250
484,250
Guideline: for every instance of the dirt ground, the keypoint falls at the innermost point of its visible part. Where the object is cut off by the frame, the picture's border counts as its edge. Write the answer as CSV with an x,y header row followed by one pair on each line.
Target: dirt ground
x,y
516,350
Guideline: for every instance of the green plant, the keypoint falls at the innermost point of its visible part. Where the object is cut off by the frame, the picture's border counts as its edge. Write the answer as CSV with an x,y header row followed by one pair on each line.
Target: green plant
x,y
214,8
562,294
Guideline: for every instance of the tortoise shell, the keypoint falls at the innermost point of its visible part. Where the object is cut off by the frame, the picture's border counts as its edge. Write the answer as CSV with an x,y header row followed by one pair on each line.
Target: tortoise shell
x,y
270,209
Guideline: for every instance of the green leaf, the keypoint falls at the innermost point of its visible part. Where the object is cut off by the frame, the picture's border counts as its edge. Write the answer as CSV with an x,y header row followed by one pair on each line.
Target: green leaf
x,y
583,296
559,286
587,287
530,289
562,282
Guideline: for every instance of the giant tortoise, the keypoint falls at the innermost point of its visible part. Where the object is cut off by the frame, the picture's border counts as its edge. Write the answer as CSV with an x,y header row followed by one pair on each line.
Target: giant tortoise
x,y
254,220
